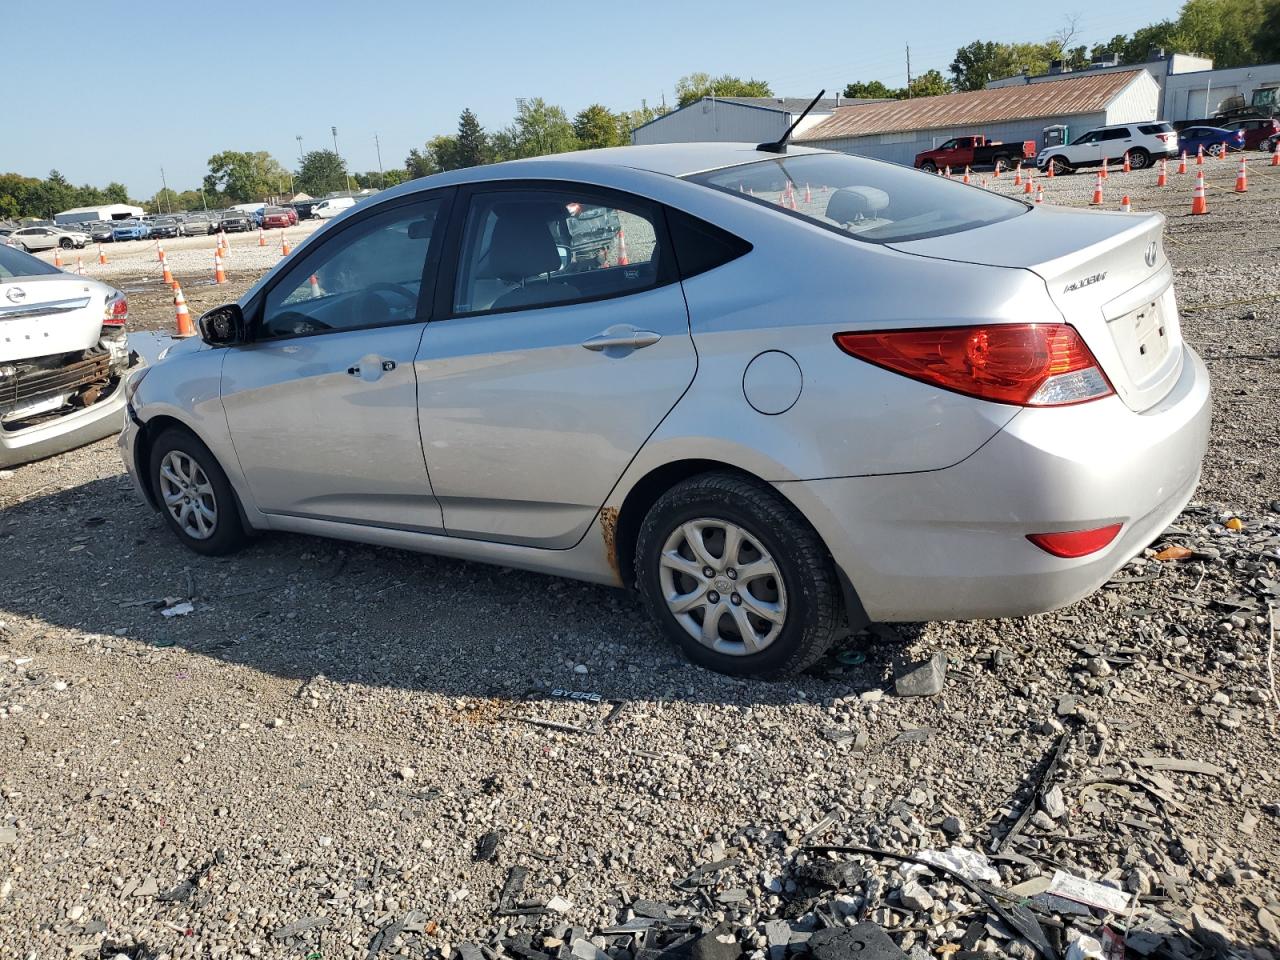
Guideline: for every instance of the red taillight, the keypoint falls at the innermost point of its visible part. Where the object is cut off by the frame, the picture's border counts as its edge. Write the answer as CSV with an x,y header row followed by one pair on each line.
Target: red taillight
x,y
116,313
1028,364
1075,543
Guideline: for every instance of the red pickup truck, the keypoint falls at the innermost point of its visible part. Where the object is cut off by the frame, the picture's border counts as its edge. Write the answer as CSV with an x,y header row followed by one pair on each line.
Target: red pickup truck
x,y
960,152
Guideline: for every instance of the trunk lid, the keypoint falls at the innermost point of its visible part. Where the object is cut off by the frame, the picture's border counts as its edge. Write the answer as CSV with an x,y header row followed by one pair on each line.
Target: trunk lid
x,y
49,314
1108,276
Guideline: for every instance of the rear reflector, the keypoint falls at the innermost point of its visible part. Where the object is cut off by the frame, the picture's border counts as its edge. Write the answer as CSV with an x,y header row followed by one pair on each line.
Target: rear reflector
x,y
1075,543
116,313
1028,364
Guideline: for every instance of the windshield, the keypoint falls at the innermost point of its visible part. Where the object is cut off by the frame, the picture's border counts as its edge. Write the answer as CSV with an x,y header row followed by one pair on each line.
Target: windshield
x,y
14,263
866,199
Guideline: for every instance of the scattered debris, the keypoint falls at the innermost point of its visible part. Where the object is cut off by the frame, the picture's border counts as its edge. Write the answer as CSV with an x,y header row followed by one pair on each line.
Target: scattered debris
x,y
923,680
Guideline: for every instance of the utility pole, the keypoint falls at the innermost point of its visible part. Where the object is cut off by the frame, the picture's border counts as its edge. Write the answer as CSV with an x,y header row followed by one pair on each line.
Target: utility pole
x,y
382,180
908,71
334,131
298,137
164,183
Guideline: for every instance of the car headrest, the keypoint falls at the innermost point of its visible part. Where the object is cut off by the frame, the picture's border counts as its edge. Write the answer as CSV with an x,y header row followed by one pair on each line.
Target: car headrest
x,y
849,204
522,243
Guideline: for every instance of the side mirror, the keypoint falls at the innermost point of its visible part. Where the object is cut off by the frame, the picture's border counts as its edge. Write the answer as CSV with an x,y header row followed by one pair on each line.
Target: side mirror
x,y
222,325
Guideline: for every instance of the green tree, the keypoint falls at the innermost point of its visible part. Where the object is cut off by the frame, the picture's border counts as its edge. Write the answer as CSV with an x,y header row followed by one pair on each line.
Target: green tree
x,y
241,176
931,83
321,172
15,194
164,201
116,193
985,60
190,200
628,120
872,90
694,86
420,163
1226,30
1267,42
596,126
539,128
471,145
52,195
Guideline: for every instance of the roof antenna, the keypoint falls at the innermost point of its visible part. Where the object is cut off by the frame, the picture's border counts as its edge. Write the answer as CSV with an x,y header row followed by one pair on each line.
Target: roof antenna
x,y
780,145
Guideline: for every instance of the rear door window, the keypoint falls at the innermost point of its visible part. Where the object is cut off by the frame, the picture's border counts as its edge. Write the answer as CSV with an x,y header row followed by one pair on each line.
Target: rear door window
x,y
868,200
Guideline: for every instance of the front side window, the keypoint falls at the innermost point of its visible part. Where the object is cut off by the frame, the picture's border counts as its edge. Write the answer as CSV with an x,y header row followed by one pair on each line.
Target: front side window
x,y
536,248
1087,138
14,263
865,199
369,275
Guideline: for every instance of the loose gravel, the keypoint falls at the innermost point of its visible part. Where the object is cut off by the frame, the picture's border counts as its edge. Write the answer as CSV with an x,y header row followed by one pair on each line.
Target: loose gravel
x,y
332,754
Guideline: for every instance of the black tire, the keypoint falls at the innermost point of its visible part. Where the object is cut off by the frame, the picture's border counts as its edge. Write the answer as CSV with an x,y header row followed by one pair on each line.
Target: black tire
x,y
1001,163
1139,159
1061,167
929,166
228,534
66,243
812,620
25,248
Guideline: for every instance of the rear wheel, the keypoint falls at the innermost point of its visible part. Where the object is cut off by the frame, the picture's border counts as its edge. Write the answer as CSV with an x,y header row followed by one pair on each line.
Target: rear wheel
x,y
195,495
1001,163
1218,150
737,578
1139,159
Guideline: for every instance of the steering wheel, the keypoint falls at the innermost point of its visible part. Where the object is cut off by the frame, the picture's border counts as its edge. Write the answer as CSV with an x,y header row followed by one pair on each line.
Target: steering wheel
x,y
399,288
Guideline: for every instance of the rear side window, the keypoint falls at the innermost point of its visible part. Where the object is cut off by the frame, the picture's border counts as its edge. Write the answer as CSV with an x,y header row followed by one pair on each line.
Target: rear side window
x,y
14,263
1151,129
699,246
1118,134
868,200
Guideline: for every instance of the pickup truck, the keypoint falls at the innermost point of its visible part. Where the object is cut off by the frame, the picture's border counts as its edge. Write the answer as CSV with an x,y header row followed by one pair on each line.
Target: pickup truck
x,y
960,152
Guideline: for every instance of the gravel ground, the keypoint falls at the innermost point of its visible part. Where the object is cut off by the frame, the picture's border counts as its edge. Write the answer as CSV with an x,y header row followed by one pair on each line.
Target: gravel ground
x,y
306,765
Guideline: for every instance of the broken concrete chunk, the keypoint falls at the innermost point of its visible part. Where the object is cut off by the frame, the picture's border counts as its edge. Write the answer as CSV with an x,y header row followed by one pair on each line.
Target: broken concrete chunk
x,y
862,941
719,943
915,897
1053,803
923,680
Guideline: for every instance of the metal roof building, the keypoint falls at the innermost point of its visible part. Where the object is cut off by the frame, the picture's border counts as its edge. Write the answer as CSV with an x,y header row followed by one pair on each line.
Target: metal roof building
x,y
106,211
736,119
897,130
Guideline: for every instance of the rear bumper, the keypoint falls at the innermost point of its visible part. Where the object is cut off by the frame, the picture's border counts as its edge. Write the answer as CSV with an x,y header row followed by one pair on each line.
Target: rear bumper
x,y
102,419
951,544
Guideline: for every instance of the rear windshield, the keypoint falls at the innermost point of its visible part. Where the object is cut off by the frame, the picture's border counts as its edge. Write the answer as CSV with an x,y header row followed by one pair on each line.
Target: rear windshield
x,y
14,263
866,199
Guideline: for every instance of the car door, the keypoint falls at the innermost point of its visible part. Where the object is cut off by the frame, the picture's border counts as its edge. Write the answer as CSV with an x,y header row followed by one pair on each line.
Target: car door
x,y
1086,152
321,403
556,358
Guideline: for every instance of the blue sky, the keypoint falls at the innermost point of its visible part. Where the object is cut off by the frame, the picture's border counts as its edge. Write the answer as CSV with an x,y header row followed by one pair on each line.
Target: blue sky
x,y
169,84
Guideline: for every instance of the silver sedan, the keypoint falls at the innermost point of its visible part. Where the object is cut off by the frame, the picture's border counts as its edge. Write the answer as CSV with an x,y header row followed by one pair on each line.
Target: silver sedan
x,y
783,394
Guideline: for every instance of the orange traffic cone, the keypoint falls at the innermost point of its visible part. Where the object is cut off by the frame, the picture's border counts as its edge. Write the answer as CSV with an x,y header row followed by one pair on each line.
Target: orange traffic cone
x,y
1028,188
166,277
1275,156
185,327
1097,191
262,238
1017,175
160,252
623,259
1200,155
79,267
1242,178
1182,163
219,276
1127,168
1125,206
284,245
1163,178
948,173
1105,175
315,286
808,196
1048,169
1199,205
1039,193
102,257
966,173
57,256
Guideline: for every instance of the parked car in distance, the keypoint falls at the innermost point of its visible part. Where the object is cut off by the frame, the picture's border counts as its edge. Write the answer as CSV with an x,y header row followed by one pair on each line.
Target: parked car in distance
x,y
130,230
166,227
1213,140
961,152
1142,142
276,217
302,208
46,238
232,221
196,224
63,359
332,207
1259,134
101,231
699,411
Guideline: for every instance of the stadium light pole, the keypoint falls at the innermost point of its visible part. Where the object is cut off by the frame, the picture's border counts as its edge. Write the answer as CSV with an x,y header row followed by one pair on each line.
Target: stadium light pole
x,y
334,131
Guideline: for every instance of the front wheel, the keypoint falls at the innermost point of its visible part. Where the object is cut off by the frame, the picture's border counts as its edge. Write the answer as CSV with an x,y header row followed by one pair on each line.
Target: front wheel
x,y
66,243
1218,150
1060,166
195,495
737,578
929,167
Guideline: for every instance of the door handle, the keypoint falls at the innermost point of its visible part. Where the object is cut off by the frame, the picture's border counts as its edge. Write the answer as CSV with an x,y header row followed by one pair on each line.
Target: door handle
x,y
386,365
627,339
353,371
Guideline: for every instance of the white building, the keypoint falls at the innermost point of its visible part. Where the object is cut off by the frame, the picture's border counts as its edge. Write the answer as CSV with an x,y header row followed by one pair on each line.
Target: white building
x,y
108,211
736,119
897,130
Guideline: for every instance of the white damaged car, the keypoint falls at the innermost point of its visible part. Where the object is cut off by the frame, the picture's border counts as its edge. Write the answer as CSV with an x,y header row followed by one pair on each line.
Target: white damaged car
x,y
64,359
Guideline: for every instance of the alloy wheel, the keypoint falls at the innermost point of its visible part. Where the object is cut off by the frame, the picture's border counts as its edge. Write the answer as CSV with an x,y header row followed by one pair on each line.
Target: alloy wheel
x,y
188,495
723,587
